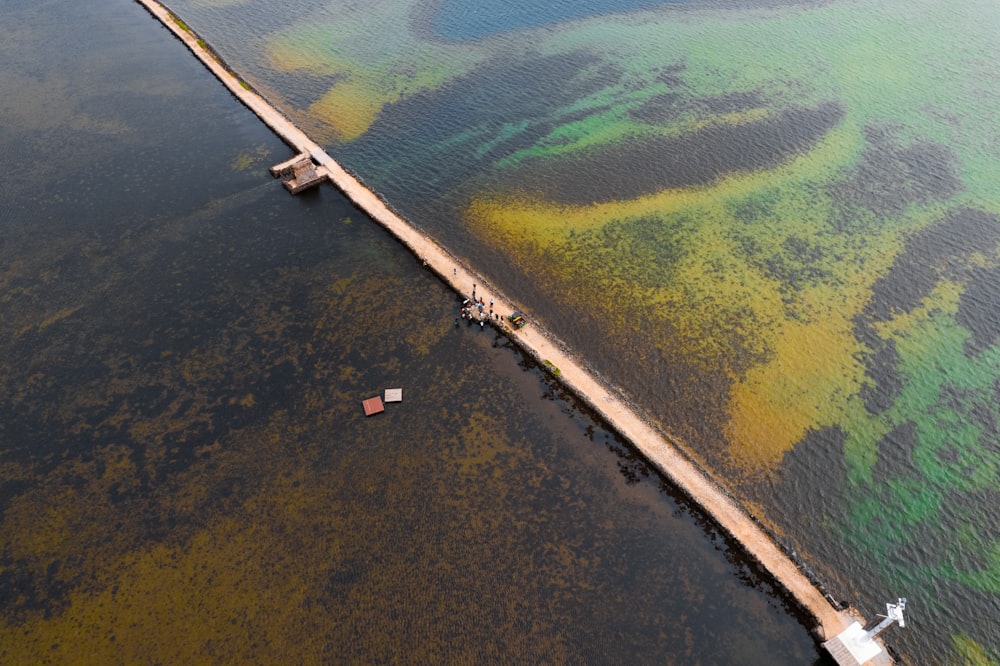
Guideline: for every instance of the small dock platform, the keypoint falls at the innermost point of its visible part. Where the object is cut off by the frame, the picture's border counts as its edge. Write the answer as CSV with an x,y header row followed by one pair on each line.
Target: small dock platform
x,y
299,173
373,406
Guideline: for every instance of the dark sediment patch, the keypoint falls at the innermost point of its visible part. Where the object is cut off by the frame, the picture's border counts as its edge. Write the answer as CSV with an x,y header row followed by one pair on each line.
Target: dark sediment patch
x,y
895,454
800,264
889,178
671,75
459,129
661,109
910,280
29,590
962,232
734,102
976,410
648,164
979,309
880,361
928,255
938,251
758,207
817,464
881,367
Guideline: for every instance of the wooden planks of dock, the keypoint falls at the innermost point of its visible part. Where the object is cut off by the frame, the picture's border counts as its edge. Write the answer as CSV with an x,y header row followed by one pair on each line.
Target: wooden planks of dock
x,y
299,173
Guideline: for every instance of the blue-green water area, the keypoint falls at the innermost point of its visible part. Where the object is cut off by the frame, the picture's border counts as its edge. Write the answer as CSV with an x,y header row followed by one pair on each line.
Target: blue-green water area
x,y
774,225
471,19
186,473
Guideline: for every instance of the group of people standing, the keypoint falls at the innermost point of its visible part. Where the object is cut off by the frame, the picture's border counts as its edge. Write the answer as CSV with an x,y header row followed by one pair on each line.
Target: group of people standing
x,y
475,310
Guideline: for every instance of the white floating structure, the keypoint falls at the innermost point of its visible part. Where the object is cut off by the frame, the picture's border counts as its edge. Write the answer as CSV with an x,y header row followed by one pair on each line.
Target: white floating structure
x,y
394,395
856,645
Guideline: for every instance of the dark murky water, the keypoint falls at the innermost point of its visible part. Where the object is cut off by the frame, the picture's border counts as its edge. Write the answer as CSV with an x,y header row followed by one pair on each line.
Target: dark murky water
x,y
185,471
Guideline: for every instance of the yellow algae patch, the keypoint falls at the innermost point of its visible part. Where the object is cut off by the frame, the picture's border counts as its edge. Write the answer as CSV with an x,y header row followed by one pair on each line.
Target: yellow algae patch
x,y
353,103
523,220
235,589
481,443
247,160
812,373
716,297
768,296
224,593
350,108
354,100
814,377
368,73
48,321
943,299
971,652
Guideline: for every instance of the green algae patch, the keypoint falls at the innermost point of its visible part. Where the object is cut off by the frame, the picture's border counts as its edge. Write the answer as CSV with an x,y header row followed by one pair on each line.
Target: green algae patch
x,y
248,160
180,24
972,653
367,74
350,107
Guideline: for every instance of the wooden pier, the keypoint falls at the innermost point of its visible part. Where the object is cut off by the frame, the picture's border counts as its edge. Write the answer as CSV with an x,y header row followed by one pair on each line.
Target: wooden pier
x,y
299,173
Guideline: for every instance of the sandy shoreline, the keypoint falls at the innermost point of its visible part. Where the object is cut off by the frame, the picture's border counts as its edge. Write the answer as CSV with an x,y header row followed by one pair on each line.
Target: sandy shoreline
x,y
654,446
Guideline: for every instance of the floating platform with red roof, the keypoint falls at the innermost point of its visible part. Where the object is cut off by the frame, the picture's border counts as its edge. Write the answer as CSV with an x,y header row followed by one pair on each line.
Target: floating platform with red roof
x,y
373,406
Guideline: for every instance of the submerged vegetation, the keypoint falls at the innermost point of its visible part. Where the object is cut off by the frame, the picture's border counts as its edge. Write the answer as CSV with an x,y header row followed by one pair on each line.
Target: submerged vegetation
x,y
181,24
782,220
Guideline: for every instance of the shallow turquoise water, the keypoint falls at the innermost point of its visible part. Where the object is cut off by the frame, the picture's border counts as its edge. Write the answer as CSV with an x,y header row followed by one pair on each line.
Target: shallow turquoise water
x,y
471,19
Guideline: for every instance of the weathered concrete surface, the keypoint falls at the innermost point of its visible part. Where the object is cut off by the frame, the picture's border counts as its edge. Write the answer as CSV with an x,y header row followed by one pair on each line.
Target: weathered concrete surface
x,y
652,443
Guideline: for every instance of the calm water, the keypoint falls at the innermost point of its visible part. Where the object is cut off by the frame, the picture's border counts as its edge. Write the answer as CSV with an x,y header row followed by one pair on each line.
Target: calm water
x,y
773,224
469,19
185,472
